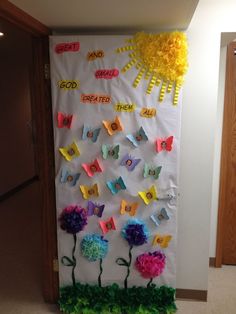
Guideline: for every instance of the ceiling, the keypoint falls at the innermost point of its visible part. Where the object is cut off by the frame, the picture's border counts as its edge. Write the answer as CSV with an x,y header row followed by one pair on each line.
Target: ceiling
x,y
111,14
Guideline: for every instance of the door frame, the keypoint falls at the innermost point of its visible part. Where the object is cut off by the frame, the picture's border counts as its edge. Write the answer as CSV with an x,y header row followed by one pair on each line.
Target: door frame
x,y
42,117
228,99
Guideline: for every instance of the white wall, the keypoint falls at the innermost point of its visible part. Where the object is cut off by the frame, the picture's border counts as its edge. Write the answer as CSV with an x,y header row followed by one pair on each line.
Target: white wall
x,y
198,136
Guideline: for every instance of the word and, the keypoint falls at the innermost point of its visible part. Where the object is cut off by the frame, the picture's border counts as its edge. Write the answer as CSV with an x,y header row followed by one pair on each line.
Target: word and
x,y
66,47
95,99
92,55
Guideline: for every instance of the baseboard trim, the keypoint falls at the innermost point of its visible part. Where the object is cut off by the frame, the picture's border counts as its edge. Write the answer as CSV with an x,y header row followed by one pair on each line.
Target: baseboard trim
x,y
212,262
188,294
18,188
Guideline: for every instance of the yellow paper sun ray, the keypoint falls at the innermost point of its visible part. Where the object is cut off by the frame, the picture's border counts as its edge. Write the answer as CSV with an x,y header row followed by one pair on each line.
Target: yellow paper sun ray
x,y
129,65
163,55
162,92
138,77
151,84
170,86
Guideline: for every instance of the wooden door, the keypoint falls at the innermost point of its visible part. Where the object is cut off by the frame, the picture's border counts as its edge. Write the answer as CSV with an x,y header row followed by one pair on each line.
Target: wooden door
x,y
42,117
226,237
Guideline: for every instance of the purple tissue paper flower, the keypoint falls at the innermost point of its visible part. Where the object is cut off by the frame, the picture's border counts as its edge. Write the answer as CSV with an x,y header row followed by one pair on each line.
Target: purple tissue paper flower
x,y
135,232
73,219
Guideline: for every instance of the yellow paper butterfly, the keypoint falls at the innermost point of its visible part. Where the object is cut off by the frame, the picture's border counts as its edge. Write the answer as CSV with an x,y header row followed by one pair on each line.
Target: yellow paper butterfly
x,y
128,208
149,195
69,152
162,240
89,191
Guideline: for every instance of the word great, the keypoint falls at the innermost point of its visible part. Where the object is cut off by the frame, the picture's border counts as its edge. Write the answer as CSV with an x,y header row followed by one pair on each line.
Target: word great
x,y
65,47
148,112
106,74
119,107
68,84
92,55
95,99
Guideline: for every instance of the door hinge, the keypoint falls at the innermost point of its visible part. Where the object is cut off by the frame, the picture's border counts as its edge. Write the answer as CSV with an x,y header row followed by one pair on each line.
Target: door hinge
x,y
47,71
55,265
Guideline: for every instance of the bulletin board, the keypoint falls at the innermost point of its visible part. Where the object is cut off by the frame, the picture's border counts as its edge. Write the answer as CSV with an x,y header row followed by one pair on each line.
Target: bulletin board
x,y
117,118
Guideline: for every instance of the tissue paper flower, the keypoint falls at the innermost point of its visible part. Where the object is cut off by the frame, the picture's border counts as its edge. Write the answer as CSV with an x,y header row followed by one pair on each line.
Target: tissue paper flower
x,y
164,144
73,219
129,162
159,217
110,151
137,138
92,168
116,185
67,176
69,152
94,247
149,195
64,120
128,208
153,172
151,265
113,126
90,133
135,232
162,241
95,209
107,225
89,191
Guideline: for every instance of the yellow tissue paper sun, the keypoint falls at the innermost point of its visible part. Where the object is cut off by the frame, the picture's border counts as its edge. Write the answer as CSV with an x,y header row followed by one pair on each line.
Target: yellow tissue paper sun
x,y
160,58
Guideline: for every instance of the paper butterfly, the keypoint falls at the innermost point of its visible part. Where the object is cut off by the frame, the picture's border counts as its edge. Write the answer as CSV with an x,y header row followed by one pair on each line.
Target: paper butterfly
x,y
162,241
113,126
67,176
63,120
138,138
128,208
107,225
164,144
116,185
151,172
92,168
70,151
95,209
162,215
129,162
89,191
149,195
90,133
109,151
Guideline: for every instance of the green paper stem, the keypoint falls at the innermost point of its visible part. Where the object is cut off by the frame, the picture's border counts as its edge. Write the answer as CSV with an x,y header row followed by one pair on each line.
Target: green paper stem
x,y
74,260
128,267
149,283
100,274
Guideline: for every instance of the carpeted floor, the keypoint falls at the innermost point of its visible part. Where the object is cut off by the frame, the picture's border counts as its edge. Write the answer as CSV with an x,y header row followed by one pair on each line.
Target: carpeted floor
x,y
20,273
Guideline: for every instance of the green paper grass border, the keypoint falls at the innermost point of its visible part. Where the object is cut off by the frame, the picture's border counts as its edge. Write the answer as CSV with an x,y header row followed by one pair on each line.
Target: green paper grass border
x,y
88,299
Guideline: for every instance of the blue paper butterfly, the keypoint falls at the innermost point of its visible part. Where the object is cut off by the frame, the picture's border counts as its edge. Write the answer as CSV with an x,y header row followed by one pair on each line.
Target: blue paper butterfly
x,y
67,176
90,133
159,217
116,185
138,138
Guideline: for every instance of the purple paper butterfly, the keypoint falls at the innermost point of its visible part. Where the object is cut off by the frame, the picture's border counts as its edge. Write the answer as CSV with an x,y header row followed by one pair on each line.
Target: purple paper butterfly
x,y
129,162
95,209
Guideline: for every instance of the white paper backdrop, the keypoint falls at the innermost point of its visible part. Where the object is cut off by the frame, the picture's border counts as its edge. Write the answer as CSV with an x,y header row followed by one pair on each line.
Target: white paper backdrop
x,y
74,66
